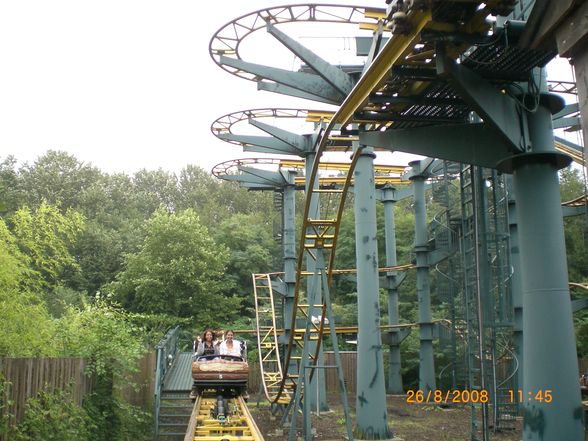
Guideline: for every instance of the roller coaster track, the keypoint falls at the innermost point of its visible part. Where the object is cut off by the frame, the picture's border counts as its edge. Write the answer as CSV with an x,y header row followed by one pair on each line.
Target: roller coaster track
x,y
268,332
234,422
226,41
414,102
387,174
321,234
267,339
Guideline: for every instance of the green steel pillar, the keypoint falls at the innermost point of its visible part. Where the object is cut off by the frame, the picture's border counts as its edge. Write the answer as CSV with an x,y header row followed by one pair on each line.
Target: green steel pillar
x,y
515,282
316,397
290,257
371,391
552,409
388,198
485,295
426,361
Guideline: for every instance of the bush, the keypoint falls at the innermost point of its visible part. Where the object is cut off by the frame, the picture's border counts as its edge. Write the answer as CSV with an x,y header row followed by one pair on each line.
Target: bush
x,y
53,416
4,404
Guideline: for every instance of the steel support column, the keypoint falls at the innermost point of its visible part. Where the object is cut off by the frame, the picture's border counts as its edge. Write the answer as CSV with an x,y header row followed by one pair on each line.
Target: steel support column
x,y
316,398
426,361
394,384
371,420
290,256
516,283
548,332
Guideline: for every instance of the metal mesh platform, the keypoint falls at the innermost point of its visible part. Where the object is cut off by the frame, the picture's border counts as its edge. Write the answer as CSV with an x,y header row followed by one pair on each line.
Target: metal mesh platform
x,y
179,377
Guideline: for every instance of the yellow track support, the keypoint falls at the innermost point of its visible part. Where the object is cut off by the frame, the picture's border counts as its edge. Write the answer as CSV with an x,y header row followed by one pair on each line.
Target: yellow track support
x,y
267,339
237,425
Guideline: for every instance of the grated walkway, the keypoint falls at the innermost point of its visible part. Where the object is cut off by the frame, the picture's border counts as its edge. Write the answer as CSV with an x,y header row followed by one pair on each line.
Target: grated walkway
x,y
179,377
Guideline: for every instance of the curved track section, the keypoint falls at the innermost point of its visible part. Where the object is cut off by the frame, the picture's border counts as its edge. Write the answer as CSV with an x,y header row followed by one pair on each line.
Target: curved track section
x,y
385,174
267,340
227,40
231,420
225,124
322,233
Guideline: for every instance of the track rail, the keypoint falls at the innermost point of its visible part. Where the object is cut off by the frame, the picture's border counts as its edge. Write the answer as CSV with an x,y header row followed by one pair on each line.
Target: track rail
x,y
267,339
227,40
236,424
268,332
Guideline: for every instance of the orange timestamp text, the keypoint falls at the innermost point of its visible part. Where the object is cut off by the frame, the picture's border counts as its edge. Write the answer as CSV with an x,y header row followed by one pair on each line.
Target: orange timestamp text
x,y
535,396
437,396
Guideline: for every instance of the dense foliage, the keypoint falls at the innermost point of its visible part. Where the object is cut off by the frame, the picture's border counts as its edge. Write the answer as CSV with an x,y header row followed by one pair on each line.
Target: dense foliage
x,y
99,266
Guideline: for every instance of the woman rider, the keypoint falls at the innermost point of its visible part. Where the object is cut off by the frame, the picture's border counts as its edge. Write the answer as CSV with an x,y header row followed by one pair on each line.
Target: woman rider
x,y
230,346
205,347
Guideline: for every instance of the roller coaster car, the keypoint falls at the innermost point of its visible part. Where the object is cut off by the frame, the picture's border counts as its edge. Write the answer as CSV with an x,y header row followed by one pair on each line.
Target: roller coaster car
x,y
220,371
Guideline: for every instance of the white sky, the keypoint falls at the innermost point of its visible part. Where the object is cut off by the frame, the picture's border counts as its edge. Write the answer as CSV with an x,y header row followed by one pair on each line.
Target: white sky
x,y
123,84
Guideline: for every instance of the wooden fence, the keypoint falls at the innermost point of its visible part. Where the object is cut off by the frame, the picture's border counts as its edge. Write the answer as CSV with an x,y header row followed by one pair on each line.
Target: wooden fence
x,y
143,381
26,377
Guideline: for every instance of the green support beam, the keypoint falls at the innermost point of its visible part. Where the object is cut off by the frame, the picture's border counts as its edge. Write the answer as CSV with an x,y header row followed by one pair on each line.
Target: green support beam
x,y
261,144
316,396
306,82
418,175
516,282
473,143
498,110
300,143
333,75
389,195
550,359
290,91
371,414
289,253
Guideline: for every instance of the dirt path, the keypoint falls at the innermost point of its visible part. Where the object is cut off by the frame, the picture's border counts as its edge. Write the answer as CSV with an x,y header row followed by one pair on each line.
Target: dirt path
x,y
410,422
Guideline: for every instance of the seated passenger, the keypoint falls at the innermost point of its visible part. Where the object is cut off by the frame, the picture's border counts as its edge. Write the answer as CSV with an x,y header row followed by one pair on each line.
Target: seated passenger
x,y
207,346
230,346
203,346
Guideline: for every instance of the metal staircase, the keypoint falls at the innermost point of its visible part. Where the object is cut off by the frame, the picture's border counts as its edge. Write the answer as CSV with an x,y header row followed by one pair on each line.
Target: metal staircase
x,y
487,299
472,296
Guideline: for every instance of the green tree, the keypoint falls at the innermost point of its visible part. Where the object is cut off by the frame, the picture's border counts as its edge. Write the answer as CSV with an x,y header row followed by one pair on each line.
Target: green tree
x,y
155,188
9,186
250,244
179,271
26,328
57,178
46,236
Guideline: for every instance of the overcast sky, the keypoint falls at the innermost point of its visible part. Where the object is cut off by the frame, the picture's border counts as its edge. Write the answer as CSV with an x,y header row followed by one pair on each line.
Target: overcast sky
x,y
123,84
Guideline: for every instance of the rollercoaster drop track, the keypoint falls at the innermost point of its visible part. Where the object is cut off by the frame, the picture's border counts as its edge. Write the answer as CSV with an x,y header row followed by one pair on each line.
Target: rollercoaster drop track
x,y
230,421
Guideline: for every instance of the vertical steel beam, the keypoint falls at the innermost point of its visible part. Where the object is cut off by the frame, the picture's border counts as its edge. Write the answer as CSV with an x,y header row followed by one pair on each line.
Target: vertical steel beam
x,y
371,392
426,361
289,250
387,196
316,398
551,363
516,283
